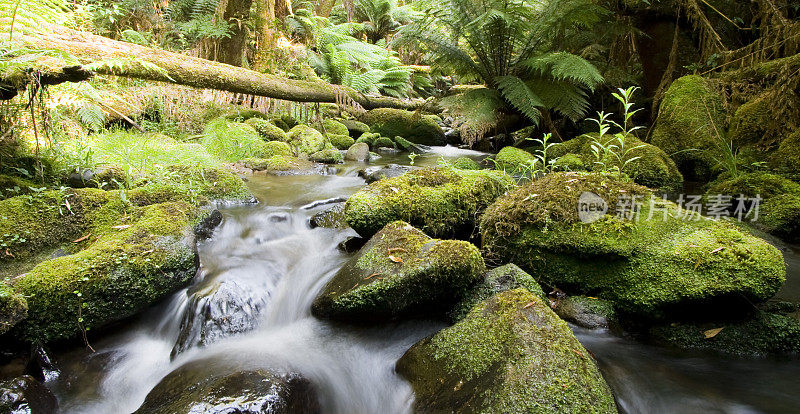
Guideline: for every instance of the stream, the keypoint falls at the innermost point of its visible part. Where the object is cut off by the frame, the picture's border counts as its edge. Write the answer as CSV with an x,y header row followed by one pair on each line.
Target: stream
x,y
270,264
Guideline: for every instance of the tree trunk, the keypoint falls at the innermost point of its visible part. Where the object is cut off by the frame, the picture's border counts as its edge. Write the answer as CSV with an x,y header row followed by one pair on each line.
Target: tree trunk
x,y
324,7
202,73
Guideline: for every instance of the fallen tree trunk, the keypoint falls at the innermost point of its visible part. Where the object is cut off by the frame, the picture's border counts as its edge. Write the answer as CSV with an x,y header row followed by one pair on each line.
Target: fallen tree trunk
x,y
202,73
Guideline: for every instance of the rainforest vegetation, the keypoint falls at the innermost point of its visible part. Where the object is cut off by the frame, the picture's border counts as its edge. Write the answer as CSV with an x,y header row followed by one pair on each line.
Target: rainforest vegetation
x,y
399,205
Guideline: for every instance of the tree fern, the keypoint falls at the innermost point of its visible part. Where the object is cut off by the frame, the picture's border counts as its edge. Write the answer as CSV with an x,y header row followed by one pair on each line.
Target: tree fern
x,y
520,96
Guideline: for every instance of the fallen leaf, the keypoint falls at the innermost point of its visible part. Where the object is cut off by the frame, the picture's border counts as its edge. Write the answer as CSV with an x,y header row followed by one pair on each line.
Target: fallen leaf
x,y
579,353
712,332
395,259
371,276
82,238
121,227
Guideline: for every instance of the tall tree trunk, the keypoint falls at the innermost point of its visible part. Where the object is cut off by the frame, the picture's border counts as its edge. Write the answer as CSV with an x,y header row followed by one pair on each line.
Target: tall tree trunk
x,y
230,49
324,7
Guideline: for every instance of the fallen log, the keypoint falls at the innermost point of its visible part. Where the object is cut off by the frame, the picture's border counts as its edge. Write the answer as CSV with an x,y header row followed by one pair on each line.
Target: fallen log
x,y
201,73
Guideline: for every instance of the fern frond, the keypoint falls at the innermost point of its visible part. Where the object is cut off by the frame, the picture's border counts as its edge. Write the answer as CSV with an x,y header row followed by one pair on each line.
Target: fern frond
x,y
563,66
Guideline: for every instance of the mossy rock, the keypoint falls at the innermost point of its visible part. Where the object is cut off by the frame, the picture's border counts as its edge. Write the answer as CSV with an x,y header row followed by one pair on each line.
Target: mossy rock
x,y
11,186
306,140
671,262
415,127
653,167
327,156
279,163
691,125
355,128
513,160
761,334
779,210
368,138
267,130
331,126
466,163
13,307
278,148
442,202
510,354
499,279
400,272
341,142
134,257
358,152
383,142
231,141
208,385
585,311
569,162
786,159
280,123
196,185
751,120
406,145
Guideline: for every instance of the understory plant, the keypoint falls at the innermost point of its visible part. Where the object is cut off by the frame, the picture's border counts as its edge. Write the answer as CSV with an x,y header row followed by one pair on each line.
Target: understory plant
x,y
611,150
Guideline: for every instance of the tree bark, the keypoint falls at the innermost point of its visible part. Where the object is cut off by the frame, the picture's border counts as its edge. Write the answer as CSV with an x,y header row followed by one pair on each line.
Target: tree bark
x,y
231,49
202,73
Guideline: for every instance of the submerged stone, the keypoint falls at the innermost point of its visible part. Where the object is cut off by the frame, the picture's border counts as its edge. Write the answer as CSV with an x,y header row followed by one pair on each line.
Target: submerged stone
x,y
648,267
25,395
440,201
400,272
204,387
510,354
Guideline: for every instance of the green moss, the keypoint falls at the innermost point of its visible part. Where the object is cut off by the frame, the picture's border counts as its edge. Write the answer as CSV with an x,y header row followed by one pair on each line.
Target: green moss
x,y
757,183
196,185
645,267
750,121
786,159
13,307
499,279
368,138
341,142
233,141
513,160
405,144
383,142
691,125
585,311
761,334
120,272
327,156
466,163
440,201
650,167
11,186
356,128
306,140
278,148
331,126
569,162
280,123
267,130
510,354
400,272
417,128
279,163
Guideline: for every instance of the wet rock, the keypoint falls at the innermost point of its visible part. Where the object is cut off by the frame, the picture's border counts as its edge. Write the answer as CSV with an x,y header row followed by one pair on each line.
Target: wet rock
x,y
203,387
332,218
100,177
658,266
591,313
452,136
205,229
400,272
25,395
388,151
13,307
358,152
220,311
41,366
372,174
510,354
352,244
499,279
442,202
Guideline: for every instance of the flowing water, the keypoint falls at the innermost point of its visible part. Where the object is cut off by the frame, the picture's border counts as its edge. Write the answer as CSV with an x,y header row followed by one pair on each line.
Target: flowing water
x,y
269,265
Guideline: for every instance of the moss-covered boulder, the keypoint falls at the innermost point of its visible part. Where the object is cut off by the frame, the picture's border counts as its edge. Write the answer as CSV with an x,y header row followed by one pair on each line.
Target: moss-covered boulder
x,y
11,186
442,202
779,208
569,162
368,138
499,279
132,257
13,307
400,272
358,152
786,159
332,126
510,354
279,163
356,128
691,125
341,142
210,386
751,120
466,163
267,130
513,160
650,167
196,185
278,148
306,140
763,333
383,142
585,311
413,126
656,264
327,156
